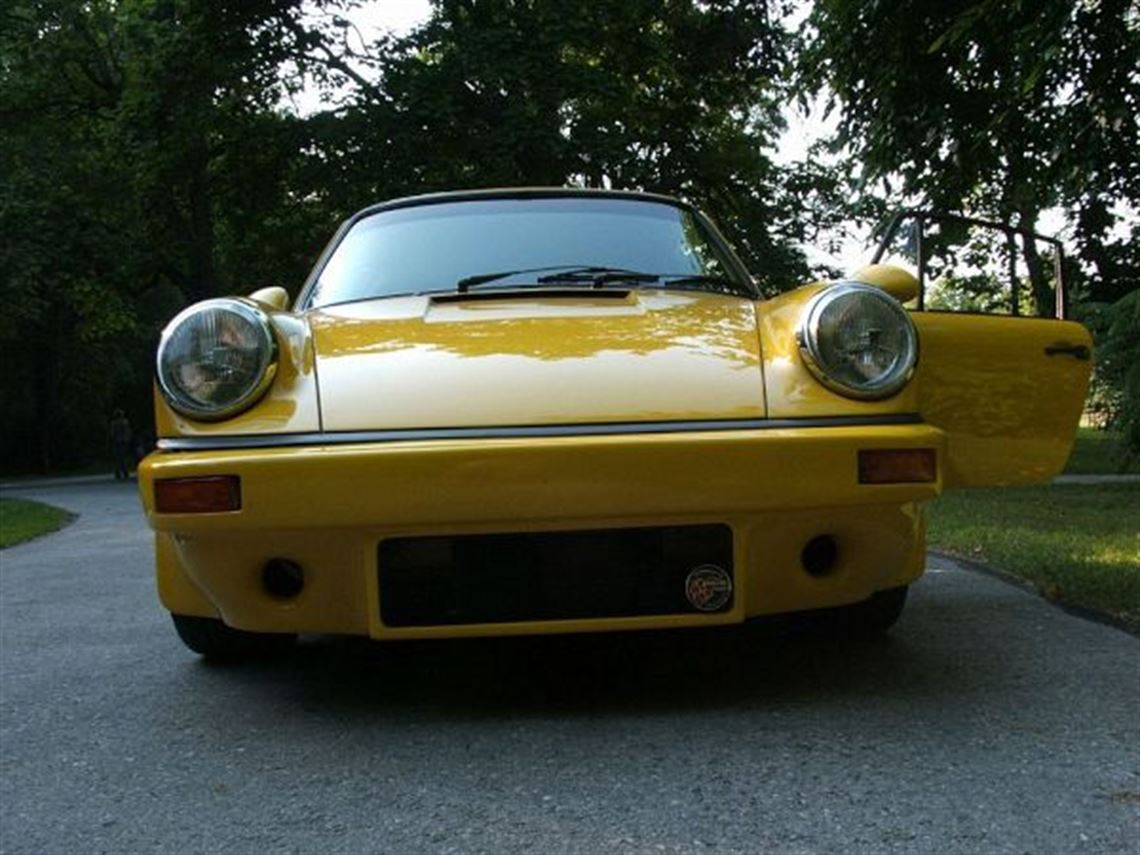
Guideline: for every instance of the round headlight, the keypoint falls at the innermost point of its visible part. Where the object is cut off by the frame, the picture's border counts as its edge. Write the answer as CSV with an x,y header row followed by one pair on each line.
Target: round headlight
x,y
858,340
216,359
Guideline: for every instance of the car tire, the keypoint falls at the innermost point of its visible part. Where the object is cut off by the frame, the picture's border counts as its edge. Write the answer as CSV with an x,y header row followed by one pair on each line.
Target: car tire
x,y
216,642
867,619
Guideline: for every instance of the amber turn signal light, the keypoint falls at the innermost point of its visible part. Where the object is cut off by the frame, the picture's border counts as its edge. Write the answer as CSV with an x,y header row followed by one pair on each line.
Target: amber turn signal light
x,y
898,465
208,495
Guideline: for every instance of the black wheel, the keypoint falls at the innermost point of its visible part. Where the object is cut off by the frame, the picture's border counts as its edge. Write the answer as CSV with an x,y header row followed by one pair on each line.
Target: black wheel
x,y
867,619
217,642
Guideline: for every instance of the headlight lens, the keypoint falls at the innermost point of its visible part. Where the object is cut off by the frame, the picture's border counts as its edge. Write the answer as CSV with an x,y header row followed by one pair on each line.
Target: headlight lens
x,y
216,359
858,341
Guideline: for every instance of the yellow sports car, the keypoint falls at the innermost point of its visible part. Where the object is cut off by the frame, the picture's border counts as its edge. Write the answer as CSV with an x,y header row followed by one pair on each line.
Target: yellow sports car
x,y
543,411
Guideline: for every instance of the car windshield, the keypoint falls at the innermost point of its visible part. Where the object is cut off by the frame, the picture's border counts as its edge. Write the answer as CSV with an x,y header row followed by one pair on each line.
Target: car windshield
x,y
506,242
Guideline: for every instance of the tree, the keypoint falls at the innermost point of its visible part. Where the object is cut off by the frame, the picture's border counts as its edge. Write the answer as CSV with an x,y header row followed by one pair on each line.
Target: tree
x,y
150,157
673,97
1001,108
1006,109
1118,365
142,155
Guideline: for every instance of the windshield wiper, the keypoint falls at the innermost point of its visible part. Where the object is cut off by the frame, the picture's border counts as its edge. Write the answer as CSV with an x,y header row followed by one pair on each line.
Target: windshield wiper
x,y
705,282
478,279
596,276
592,275
600,276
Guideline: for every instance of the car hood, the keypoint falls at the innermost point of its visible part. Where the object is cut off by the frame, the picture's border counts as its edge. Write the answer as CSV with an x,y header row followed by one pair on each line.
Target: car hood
x,y
532,359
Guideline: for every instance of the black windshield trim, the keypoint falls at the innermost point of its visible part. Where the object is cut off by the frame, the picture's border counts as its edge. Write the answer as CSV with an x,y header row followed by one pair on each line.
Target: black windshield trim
x,y
528,292
737,268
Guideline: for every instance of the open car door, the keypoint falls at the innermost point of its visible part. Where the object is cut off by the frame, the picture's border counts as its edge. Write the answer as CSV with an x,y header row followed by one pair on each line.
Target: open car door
x,y
1008,387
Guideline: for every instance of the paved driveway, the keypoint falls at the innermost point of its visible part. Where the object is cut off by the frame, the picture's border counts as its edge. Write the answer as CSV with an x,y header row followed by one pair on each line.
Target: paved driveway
x,y
988,722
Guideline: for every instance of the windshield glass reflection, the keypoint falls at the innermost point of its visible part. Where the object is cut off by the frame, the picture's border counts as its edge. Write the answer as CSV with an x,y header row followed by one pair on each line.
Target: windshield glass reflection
x,y
432,247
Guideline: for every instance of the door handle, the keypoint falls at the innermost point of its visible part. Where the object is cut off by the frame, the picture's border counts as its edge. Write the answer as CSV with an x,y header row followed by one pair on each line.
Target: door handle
x,y
1077,351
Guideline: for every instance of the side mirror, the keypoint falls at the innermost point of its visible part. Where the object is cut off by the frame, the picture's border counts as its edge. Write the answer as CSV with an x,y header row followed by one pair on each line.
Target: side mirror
x,y
894,280
273,297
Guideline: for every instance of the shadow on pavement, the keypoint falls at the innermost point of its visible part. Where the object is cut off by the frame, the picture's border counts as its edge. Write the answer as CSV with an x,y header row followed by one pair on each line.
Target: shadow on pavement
x,y
582,675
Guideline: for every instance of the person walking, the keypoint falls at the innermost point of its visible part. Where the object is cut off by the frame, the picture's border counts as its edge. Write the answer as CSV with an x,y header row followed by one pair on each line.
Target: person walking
x,y
121,445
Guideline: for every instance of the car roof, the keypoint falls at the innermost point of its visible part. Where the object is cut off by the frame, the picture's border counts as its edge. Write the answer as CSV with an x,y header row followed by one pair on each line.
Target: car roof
x,y
515,193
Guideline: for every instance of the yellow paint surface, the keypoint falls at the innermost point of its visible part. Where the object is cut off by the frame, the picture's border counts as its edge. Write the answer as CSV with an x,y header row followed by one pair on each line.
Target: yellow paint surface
x,y
996,409
328,508
409,362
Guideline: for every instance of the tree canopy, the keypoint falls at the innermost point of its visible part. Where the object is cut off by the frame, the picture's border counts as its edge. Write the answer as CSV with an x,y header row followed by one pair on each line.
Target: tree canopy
x,y
151,154
1005,109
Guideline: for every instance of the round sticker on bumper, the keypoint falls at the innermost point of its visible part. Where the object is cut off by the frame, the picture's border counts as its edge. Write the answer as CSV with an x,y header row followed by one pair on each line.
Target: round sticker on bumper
x,y
708,588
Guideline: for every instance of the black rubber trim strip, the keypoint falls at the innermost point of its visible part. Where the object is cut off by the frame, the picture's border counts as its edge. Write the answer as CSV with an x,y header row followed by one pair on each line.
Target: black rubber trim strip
x,y
284,440
531,293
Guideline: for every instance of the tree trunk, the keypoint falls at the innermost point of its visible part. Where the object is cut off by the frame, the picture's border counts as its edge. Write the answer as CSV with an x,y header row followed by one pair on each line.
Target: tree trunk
x,y
203,277
1043,296
47,400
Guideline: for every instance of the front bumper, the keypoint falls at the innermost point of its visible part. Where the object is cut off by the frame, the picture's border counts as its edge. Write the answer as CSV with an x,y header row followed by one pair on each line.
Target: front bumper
x,y
328,507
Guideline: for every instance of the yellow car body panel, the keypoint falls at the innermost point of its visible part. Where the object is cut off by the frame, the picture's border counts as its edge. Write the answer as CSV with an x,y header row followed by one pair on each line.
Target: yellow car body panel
x,y
648,356
1009,405
522,412
329,507
896,281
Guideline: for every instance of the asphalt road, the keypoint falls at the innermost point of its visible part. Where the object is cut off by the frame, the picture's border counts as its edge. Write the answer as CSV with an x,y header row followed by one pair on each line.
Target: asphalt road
x,y
988,722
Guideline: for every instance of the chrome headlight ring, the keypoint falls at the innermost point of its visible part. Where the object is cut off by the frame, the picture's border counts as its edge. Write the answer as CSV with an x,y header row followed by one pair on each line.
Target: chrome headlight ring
x,y
858,341
216,359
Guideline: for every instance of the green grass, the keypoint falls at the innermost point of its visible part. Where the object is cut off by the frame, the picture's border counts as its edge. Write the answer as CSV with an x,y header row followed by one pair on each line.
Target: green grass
x,y
1079,544
22,520
1098,452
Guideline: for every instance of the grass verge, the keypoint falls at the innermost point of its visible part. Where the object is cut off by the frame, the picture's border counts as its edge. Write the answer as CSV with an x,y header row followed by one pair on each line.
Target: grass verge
x,y
1079,544
22,520
1098,452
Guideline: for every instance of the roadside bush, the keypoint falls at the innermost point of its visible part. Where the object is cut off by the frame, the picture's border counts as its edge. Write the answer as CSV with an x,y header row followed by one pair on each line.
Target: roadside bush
x,y
1115,395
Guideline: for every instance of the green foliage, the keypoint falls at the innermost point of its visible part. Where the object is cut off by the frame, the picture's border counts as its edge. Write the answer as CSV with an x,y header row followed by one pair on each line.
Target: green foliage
x,y
150,157
1100,452
676,97
1005,110
146,166
21,520
1078,544
968,269
1116,381
998,108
